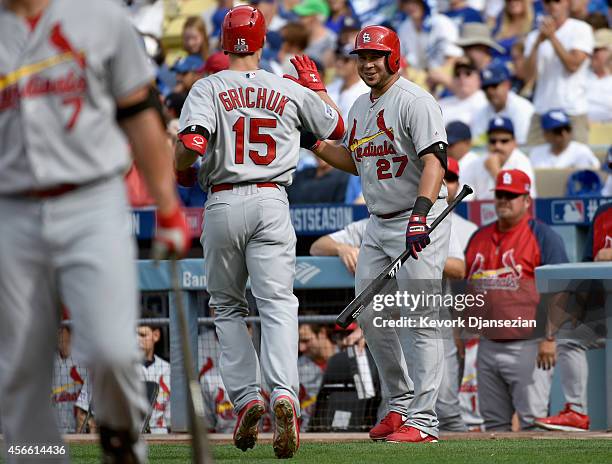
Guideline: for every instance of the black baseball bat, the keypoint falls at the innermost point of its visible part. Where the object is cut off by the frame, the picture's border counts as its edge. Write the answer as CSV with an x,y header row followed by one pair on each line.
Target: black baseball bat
x,y
195,400
355,307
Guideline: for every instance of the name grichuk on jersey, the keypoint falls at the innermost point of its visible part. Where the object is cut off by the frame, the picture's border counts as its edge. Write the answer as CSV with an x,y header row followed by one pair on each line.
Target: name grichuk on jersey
x,y
58,84
384,138
254,120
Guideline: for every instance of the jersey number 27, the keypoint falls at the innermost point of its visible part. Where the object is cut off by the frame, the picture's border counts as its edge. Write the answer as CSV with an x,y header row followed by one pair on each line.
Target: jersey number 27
x,y
255,137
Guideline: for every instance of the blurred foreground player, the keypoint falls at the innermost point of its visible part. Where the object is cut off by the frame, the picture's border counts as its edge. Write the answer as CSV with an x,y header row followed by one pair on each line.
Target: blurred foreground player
x,y
396,143
245,124
68,87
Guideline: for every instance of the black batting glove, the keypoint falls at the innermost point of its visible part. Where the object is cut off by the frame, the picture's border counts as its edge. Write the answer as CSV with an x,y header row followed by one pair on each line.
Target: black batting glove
x,y
417,237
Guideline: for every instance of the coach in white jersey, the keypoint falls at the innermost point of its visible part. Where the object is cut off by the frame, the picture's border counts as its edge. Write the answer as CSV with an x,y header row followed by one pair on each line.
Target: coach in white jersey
x,y
396,142
73,74
245,123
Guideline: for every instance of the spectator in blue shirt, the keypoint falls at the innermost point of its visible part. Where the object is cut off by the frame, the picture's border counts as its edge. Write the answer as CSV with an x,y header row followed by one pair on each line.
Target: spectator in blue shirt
x,y
323,184
461,13
515,21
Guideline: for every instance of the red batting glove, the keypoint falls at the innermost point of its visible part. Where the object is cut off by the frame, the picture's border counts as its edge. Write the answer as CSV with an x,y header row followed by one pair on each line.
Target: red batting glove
x,y
416,235
308,75
172,239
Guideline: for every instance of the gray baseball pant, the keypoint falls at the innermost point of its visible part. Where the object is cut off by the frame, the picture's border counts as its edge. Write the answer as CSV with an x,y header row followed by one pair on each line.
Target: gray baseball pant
x,y
75,249
248,234
509,381
383,241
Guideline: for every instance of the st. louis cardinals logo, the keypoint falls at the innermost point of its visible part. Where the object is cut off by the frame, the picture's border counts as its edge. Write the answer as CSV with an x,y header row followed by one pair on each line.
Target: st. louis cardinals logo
x,y
33,79
68,391
505,278
366,37
380,123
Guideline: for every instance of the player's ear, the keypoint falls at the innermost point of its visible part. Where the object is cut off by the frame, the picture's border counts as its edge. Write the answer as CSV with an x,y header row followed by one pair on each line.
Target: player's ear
x,y
156,335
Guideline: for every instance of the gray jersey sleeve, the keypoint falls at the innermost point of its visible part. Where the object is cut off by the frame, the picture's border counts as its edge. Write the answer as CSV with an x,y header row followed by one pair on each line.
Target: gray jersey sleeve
x,y
317,116
352,234
425,123
129,66
199,108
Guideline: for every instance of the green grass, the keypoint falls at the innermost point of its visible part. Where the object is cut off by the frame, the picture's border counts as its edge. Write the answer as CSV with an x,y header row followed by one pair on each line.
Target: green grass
x,y
526,451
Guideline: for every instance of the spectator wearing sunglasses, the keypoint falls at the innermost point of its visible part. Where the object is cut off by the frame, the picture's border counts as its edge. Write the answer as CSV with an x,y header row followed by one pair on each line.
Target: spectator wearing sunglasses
x,y
561,151
503,154
558,55
468,100
514,363
502,101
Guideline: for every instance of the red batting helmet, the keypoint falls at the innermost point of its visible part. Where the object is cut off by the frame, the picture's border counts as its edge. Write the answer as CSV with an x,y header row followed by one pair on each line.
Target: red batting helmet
x,y
382,39
243,30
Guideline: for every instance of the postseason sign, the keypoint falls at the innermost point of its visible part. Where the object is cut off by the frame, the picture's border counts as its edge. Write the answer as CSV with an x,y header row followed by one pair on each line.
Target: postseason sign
x,y
323,219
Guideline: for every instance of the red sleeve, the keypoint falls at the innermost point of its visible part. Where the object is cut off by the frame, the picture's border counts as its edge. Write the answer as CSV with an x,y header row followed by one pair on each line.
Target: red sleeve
x,y
338,132
194,142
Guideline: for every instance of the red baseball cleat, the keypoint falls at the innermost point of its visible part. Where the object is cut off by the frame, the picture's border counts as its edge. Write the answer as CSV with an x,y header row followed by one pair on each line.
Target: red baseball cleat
x,y
245,431
567,420
409,434
387,425
286,428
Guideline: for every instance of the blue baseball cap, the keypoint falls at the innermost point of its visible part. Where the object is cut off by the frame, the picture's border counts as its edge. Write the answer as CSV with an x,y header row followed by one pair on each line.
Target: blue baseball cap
x,y
500,123
458,131
494,74
554,119
189,63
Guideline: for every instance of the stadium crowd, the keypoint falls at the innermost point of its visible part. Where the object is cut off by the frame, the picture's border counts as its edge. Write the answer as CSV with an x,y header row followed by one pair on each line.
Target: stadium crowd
x,y
524,86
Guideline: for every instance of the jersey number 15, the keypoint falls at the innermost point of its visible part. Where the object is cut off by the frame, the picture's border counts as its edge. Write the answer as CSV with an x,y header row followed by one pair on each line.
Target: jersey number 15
x,y
255,137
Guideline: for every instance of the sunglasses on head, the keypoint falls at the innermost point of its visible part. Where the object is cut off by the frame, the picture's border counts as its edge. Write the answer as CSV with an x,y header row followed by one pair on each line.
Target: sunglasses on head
x,y
501,195
502,140
552,1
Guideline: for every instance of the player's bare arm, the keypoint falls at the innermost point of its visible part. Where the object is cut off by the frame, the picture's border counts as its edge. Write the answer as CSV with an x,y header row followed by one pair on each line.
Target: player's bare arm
x,y
336,155
183,157
431,179
150,150
417,237
326,246
454,268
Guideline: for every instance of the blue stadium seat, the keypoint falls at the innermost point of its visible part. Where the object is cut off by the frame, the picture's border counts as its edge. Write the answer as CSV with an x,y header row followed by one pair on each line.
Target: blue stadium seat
x,y
583,183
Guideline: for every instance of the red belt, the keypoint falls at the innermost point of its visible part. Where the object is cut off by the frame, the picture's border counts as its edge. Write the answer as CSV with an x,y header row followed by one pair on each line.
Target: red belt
x,y
51,192
58,190
393,214
221,187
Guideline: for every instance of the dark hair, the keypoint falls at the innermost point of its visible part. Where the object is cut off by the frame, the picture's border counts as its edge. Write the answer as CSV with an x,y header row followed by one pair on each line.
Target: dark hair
x,y
148,314
597,21
295,34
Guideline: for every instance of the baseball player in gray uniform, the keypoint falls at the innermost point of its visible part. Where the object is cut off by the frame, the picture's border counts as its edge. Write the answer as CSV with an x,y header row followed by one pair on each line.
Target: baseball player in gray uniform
x,y
245,123
72,73
396,143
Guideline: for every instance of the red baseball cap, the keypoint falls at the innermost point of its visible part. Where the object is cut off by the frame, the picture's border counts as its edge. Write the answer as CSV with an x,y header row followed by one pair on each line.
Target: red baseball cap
x,y
452,166
513,181
216,62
